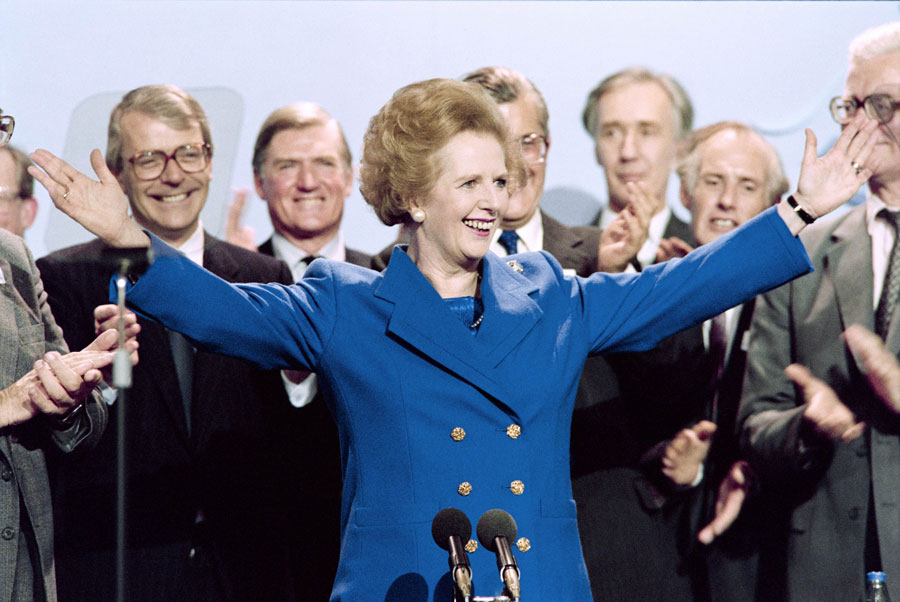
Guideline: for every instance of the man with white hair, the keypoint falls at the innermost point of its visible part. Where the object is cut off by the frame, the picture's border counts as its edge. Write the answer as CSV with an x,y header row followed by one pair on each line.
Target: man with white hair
x,y
839,458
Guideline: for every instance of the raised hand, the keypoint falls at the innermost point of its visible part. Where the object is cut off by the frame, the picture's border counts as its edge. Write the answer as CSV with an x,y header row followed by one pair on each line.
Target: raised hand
x,y
881,366
235,233
626,234
823,410
98,205
686,452
828,181
733,491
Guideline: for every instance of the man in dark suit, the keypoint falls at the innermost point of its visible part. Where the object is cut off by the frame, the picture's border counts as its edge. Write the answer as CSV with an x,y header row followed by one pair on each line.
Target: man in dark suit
x,y
204,518
636,118
729,173
302,168
525,227
840,458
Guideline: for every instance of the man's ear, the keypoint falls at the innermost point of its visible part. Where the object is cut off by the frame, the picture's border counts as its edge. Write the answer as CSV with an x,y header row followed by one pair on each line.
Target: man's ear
x,y
29,212
684,196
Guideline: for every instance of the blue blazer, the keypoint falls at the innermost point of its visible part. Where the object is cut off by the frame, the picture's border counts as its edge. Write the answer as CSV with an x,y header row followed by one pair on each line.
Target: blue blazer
x,y
424,407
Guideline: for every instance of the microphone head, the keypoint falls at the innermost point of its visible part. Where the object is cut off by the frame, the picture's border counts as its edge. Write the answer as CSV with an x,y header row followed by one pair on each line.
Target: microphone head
x,y
495,523
449,522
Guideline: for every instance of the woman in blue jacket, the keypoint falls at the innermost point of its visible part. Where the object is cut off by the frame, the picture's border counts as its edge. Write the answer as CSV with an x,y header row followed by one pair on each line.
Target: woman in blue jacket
x,y
452,374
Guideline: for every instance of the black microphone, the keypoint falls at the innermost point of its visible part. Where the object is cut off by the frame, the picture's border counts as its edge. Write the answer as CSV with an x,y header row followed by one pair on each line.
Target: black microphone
x,y
128,259
450,528
496,528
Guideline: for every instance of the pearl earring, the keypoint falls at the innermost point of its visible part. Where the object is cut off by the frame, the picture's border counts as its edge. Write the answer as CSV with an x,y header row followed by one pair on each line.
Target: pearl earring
x,y
417,215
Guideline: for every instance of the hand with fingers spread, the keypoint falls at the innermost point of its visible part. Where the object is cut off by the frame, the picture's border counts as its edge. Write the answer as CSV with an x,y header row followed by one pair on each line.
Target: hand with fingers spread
x,y
235,233
881,366
823,411
828,181
733,490
686,452
626,234
99,206
672,247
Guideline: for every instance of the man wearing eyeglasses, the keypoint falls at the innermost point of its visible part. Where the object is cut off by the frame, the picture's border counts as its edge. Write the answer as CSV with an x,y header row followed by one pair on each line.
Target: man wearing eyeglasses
x,y
204,519
841,458
525,227
47,403
18,206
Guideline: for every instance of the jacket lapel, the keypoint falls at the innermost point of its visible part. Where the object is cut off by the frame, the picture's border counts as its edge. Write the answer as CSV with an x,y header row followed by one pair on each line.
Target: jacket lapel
x,y
848,264
422,320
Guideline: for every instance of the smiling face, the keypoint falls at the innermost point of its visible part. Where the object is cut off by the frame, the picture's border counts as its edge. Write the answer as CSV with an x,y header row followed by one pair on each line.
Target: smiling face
x,y
731,182
464,206
635,139
522,115
867,77
305,180
170,205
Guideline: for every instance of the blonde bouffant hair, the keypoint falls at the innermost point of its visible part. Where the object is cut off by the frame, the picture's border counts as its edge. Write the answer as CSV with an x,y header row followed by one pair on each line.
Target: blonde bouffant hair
x,y
399,158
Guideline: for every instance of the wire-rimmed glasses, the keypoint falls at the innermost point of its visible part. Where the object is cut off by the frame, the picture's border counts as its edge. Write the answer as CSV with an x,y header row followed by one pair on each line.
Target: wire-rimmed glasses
x,y
7,125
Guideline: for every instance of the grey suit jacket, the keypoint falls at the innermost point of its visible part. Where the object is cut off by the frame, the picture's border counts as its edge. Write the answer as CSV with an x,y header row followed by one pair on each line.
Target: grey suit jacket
x,y
27,331
802,322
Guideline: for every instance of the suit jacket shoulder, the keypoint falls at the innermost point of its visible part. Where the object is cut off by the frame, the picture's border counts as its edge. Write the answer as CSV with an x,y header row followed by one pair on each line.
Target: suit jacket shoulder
x,y
236,264
679,229
574,247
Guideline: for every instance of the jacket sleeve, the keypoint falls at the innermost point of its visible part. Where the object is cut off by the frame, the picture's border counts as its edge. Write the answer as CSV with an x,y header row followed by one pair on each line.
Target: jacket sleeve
x,y
633,312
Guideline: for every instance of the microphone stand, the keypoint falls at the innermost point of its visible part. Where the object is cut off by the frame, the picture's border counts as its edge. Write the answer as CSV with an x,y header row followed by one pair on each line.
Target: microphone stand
x,y
122,381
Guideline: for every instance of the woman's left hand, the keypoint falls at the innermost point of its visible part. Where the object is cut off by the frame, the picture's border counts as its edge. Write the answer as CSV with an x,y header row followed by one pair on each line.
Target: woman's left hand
x,y
827,182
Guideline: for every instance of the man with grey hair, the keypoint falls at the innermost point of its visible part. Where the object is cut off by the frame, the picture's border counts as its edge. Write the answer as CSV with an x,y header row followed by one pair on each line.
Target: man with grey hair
x,y
636,117
18,206
303,170
840,459
204,517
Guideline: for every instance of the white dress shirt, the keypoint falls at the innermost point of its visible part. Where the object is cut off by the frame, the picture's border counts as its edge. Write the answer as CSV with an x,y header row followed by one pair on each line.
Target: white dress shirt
x,y
531,236
301,394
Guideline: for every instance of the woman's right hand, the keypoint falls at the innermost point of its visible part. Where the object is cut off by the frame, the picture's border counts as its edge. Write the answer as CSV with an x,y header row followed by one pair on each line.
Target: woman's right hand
x,y
100,206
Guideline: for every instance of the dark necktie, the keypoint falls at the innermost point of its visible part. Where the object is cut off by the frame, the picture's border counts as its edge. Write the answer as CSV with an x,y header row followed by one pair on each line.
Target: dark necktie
x,y
891,286
183,356
718,344
509,240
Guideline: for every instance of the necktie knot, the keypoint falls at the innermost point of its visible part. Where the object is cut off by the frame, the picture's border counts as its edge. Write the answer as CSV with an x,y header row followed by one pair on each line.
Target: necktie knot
x,y
509,240
892,218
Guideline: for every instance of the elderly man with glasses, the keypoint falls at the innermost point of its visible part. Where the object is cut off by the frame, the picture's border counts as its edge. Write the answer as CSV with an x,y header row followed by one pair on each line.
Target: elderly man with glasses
x,y
203,511
840,458
47,400
18,207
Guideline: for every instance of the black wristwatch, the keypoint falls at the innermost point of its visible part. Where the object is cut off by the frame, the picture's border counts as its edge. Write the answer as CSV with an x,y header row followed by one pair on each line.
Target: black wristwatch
x,y
806,217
